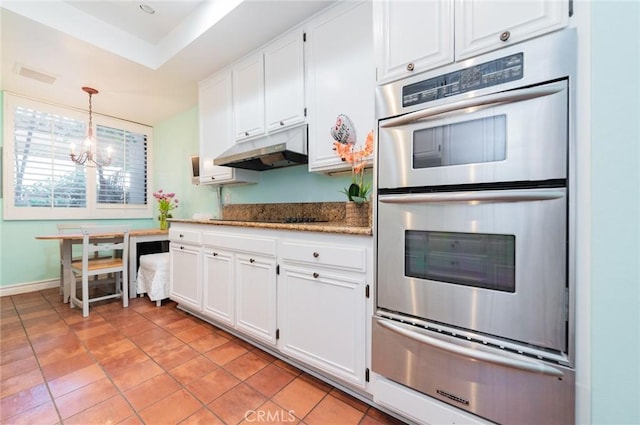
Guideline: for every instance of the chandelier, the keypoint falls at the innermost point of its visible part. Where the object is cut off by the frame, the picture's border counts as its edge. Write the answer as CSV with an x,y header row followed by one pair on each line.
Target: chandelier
x,y
90,156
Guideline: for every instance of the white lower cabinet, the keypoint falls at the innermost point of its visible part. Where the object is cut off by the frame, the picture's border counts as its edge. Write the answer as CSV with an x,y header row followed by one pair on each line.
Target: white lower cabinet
x,y
256,296
303,294
322,320
240,282
322,301
185,285
219,285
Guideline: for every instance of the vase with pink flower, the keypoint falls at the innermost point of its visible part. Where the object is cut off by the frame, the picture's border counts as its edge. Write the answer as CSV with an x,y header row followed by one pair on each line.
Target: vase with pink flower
x,y
357,207
166,203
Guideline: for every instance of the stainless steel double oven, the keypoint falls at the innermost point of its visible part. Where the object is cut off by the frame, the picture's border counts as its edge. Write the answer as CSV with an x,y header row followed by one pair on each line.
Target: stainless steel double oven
x,y
474,237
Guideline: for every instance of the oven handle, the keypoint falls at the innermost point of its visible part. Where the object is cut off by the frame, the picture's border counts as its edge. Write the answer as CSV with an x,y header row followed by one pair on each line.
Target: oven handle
x,y
502,97
527,366
480,196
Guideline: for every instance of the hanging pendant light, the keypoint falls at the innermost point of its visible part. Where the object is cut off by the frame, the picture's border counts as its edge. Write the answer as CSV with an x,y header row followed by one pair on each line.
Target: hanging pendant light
x,y
90,156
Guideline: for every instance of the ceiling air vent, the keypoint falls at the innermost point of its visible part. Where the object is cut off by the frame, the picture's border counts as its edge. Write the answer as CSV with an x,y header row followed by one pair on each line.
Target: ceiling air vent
x,y
34,75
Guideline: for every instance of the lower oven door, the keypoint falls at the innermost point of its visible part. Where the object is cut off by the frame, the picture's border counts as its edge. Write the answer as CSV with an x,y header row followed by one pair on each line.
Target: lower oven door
x,y
502,387
493,262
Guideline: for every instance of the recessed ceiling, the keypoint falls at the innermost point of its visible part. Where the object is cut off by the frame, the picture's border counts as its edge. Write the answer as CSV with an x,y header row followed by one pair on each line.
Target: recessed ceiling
x,y
146,66
130,17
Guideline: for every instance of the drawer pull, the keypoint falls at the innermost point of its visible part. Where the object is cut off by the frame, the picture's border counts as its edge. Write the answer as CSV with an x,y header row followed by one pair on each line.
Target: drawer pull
x,y
215,254
181,247
181,235
281,123
410,67
315,275
505,36
316,254
246,133
251,260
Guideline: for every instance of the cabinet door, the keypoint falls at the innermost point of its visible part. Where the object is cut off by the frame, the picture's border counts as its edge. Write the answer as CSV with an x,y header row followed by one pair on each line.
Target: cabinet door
x,y
284,82
482,26
214,104
341,75
412,36
248,97
185,286
256,296
218,283
322,320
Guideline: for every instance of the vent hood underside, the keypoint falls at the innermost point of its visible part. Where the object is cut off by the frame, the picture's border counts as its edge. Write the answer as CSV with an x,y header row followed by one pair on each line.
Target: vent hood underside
x,y
282,149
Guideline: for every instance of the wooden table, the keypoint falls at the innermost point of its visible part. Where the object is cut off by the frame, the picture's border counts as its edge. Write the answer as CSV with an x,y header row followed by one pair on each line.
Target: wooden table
x,y
135,236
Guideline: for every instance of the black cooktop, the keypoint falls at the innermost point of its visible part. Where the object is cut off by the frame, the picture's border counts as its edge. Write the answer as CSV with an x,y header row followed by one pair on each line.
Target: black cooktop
x,y
281,220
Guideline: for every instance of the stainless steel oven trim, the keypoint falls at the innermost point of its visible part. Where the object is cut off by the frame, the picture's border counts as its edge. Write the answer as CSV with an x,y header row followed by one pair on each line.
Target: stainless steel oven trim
x,y
474,196
537,69
525,365
466,336
478,309
493,391
474,102
531,127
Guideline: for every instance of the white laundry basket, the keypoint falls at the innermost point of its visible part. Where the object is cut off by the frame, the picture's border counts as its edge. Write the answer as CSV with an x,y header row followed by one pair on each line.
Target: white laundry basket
x,y
153,276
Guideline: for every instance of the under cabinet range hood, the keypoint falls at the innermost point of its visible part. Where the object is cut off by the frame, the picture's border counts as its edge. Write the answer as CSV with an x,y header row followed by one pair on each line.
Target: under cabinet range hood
x,y
277,150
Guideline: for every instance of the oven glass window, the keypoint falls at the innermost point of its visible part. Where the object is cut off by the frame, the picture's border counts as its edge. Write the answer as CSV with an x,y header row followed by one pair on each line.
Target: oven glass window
x,y
468,142
470,259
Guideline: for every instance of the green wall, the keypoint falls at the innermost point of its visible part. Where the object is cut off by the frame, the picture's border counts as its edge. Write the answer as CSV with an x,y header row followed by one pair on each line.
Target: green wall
x,y
615,221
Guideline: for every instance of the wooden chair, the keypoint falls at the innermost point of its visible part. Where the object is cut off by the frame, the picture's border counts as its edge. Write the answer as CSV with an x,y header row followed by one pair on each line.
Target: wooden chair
x,y
113,269
67,229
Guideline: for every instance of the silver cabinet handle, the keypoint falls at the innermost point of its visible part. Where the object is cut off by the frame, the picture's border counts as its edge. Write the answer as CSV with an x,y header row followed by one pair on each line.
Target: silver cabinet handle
x,y
484,356
505,36
410,67
480,196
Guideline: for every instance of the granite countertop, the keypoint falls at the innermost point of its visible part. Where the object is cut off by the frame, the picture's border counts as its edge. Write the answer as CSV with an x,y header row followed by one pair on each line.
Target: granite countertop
x,y
330,217
325,227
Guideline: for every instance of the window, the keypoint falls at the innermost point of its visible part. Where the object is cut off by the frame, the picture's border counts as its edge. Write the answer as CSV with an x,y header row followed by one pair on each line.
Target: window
x,y
41,181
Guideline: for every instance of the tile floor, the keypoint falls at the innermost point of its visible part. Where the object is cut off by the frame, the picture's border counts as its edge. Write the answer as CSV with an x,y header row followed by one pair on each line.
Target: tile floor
x,y
150,365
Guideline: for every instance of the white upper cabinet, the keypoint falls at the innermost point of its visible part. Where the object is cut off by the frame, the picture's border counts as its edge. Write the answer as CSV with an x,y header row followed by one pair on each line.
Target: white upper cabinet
x,y
412,36
269,83
341,78
248,97
482,26
284,81
215,115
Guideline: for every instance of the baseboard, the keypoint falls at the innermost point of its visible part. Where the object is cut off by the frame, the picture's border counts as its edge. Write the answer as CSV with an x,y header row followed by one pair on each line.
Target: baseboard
x,y
23,288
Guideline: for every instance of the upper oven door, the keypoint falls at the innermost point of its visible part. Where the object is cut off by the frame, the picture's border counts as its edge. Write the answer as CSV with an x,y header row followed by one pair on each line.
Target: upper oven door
x,y
517,135
492,261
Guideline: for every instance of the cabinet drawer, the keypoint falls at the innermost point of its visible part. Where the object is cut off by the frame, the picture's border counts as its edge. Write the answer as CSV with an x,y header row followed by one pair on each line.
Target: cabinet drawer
x,y
340,256
186,236
256,245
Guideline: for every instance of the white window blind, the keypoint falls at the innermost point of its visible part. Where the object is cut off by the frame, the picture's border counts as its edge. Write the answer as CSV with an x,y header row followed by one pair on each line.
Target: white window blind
x,y
124,180
41,181
43,175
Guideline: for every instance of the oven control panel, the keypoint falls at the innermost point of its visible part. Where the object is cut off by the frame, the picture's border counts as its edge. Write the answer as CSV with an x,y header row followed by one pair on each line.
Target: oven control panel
x,y
492,73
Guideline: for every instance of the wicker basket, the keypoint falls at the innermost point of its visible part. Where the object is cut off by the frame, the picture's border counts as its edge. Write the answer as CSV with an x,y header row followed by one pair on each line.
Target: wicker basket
x,y
357,214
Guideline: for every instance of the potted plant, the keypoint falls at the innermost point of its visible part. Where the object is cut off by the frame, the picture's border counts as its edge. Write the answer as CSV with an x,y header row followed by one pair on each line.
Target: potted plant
x,y
166,203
